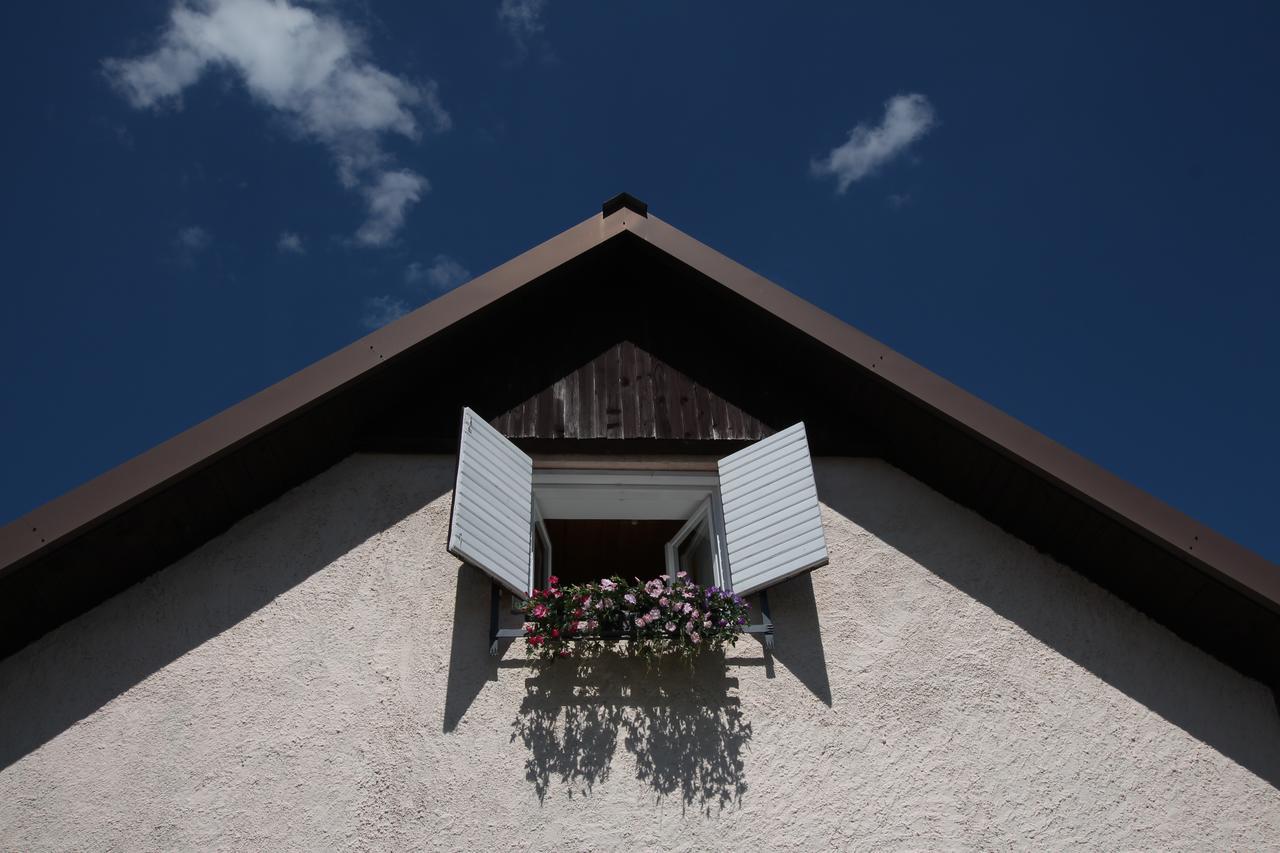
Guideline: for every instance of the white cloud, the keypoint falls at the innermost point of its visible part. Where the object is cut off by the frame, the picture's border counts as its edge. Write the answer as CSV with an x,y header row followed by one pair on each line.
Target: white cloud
x,y
522,19
444,273
193,239
291,243
906,119
388,199
381,310
307,67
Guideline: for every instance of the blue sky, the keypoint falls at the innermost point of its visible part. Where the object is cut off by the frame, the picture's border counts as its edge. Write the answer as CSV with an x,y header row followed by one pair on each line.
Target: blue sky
x,y
1068,210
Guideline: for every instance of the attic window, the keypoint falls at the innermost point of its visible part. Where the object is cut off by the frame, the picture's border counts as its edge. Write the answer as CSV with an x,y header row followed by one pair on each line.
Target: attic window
x,y
751,524
754,522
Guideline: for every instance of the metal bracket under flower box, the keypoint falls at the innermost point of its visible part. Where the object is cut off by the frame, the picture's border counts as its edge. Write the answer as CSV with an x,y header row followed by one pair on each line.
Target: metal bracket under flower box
x,y
497,635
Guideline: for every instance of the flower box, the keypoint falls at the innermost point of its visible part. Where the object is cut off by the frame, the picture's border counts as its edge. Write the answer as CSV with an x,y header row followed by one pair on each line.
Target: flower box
x,y
662,616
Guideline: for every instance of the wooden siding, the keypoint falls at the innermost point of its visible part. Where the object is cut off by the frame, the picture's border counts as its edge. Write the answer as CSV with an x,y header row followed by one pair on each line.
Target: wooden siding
x,y
624,392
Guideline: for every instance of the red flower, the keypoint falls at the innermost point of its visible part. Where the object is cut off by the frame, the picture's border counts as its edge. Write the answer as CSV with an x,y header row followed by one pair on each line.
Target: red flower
x,y
553,580
555,632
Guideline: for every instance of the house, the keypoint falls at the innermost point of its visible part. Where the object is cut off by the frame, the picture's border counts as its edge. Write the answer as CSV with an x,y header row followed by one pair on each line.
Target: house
x,y
258,636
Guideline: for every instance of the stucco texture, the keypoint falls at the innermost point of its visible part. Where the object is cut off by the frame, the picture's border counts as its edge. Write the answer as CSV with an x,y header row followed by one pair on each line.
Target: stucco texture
x,y
318,678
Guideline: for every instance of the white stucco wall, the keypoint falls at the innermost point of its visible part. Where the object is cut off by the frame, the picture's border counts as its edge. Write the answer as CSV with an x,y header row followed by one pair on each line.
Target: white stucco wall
x,y
318,678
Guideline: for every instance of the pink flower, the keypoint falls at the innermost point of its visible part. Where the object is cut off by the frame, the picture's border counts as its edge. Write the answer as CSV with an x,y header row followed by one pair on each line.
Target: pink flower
x,y
640,623
608,585
706,623
688,608
682,574
586,602
696,637
654,614
629,598
664,601
539,611
553,580
695,614
671,626
654,587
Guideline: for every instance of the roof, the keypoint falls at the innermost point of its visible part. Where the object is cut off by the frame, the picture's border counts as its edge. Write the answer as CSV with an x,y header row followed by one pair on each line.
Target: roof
x,y
76,550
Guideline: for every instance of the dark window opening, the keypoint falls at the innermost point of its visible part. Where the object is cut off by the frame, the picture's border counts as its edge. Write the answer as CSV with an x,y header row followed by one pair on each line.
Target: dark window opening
x,y
586,550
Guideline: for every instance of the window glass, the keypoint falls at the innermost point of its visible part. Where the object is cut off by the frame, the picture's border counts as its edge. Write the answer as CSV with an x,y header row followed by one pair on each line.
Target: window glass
x,y
693,555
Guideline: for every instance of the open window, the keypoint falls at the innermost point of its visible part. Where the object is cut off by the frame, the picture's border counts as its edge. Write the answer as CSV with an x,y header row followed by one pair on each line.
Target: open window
x,y
752,523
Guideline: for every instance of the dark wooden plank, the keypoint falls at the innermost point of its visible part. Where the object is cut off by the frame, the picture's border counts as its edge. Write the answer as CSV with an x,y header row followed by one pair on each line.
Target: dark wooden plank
x,y
546,412
586,401
530,417
734,422
613,392
569,393
600,405
719,417
645,394
662,409
702,410
682,390
557,409
627,389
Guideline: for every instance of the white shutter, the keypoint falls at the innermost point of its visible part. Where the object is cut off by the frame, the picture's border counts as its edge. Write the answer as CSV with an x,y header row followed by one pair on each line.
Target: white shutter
x,y
492,522
772,523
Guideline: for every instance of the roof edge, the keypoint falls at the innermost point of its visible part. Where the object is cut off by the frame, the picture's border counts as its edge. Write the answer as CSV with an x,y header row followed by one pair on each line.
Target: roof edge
x,y
113,492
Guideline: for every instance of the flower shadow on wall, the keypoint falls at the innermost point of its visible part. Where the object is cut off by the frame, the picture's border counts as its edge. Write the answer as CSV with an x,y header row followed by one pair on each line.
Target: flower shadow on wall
x,y
680,722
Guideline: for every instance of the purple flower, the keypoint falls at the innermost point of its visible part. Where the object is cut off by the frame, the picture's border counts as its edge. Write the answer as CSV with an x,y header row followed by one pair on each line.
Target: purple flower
x,y
671,626
608,585
629,598
654,587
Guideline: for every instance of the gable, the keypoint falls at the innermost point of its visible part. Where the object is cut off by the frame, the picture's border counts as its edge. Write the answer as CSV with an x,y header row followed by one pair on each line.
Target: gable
x,y
513,334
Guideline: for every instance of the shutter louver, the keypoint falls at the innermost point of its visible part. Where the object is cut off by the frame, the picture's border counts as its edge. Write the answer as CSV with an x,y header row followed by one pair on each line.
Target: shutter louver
x,y
772,522
491,524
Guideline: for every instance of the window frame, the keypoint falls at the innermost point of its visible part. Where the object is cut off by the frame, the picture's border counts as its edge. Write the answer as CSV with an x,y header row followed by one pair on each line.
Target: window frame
x,y
639,494
705,513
